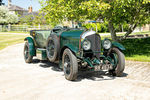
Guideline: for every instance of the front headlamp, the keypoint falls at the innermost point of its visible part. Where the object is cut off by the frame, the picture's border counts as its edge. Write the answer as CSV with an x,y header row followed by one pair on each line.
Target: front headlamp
x,y
86,44
106,44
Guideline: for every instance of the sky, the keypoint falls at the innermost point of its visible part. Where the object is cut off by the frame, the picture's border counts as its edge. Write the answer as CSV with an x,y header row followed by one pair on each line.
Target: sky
x,y
25,3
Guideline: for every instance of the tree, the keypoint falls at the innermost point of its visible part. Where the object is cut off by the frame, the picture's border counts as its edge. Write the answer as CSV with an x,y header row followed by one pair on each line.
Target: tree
x,y
1,2
115,12
7,17
33,19
39,19
28,19
56,11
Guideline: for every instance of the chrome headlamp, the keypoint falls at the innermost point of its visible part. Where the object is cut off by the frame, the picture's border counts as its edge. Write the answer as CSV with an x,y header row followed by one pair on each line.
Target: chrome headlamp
x,y
86,44
107,44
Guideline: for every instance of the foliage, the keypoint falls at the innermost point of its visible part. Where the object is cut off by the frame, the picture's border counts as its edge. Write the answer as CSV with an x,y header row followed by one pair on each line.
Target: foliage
x,y
118,12
115,12
28,19
39,19
33,20
7,17
103,27
58,10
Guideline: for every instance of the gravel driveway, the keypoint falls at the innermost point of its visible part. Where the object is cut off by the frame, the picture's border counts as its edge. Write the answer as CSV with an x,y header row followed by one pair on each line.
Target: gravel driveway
x,y
45,81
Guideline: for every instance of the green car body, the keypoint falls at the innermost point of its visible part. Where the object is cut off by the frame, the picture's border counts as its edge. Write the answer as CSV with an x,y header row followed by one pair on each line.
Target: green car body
x,y
55,44
71,40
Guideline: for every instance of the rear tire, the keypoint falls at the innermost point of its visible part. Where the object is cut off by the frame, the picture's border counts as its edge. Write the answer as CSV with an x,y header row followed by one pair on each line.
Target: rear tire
x,y
70,65
27,57
119,68
52,48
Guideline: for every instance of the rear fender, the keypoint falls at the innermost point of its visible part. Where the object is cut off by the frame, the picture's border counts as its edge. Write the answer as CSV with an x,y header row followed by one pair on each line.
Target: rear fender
x,y
31,46
118,45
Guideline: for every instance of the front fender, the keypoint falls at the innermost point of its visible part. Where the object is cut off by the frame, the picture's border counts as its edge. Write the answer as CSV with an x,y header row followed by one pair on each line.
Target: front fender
x,y
118,45
31,46
72,48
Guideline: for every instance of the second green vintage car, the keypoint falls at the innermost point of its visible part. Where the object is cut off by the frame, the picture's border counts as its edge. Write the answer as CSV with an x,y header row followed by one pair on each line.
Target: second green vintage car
x,y
75,49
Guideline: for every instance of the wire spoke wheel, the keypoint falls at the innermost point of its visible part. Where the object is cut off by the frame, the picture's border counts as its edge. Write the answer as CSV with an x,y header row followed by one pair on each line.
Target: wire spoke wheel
x,y
114,58
70,65
67,65
27,57
26,52
118,62
51,48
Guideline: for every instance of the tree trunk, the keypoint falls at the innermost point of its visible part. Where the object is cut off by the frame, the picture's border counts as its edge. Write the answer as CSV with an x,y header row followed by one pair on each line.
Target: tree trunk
x,y
130,30
72,24
2,27
9,27
122,28
112,31
96,27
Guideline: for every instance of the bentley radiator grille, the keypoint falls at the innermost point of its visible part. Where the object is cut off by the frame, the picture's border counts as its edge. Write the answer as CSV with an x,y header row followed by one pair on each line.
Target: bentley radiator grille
x,y
95,44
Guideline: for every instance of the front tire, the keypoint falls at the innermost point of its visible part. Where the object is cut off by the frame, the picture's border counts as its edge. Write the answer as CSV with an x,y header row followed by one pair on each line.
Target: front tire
x,y
70,65
119,64
27,57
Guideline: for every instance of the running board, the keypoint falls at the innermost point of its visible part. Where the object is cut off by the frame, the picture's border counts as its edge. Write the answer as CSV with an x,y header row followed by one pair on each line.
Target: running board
x,y
41,49
41,53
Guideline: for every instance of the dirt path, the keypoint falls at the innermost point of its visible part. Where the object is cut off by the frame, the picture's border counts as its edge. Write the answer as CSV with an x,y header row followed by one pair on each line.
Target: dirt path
x,y
43,81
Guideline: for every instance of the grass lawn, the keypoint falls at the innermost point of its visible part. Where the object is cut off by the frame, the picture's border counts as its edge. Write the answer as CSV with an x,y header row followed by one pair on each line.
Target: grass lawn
x,y
137,49
14,32
10,39
146,32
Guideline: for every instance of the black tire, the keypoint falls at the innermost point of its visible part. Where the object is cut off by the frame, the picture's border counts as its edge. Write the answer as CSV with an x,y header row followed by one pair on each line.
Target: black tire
x,y
27,57
119,68
52,48
70,65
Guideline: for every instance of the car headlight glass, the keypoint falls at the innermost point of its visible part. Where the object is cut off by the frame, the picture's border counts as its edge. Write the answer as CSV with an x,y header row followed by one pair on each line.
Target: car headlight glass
x,y
86,45
107,44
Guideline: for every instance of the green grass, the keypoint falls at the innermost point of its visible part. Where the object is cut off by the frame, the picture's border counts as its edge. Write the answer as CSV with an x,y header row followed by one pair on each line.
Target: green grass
x,y
10,39
141,58
146,32
137,49
14,32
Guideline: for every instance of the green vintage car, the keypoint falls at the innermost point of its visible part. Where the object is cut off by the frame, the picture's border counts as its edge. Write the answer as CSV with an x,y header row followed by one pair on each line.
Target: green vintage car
x,y
75,49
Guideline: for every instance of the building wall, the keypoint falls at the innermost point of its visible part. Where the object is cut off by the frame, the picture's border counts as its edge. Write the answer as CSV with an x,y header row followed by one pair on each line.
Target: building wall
x,y
143,28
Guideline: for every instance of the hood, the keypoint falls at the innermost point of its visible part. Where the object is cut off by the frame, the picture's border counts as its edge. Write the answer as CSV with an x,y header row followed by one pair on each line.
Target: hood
x,y
72,33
